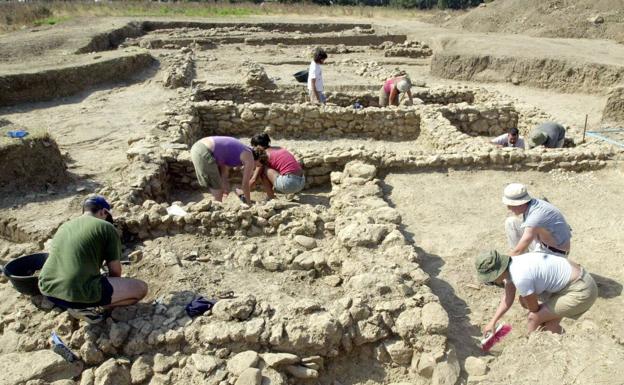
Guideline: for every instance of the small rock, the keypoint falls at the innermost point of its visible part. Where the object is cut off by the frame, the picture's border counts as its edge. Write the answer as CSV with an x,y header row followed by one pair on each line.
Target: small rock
x,y
250,376
242,361
163,363
434,318
475,366
112,373
141,370
307,242
597,19
237,308
204,363
301,372
277,359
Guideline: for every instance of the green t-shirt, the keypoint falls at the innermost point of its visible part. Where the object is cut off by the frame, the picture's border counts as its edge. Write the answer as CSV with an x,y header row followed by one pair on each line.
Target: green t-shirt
x,y
79,248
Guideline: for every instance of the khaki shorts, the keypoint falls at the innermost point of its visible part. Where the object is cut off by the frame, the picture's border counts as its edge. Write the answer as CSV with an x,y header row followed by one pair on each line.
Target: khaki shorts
x,y
575,299
206,167
383,97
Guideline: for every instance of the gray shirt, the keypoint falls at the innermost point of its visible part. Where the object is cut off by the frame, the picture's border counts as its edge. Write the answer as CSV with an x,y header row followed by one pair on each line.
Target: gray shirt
x,y
542,214
537,272
555,133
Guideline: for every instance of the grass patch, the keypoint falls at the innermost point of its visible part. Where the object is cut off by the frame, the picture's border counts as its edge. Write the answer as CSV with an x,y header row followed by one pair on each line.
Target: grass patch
x,y
50,20
14,15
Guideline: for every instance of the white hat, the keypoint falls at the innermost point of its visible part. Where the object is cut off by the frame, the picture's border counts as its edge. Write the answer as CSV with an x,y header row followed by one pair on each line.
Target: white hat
x,y
515,194
404,85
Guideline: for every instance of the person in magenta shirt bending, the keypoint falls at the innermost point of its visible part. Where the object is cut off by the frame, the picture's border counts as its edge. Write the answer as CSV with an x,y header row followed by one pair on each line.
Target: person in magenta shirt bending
x,y
214,156
389,92
278,169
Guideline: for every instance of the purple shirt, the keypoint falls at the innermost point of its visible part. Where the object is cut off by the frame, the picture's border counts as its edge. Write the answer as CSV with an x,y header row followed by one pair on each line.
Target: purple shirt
x,y
227,150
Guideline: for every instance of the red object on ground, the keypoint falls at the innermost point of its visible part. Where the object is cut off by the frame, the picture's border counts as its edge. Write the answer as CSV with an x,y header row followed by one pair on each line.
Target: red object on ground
x,y
501,331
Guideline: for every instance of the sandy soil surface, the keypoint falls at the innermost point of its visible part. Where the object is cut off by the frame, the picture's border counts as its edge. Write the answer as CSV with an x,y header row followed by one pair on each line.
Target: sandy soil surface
x,y
457,215
549,18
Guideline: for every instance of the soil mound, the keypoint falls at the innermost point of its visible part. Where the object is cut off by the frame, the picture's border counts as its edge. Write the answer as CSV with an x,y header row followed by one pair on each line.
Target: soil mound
x,y
600,19
545,358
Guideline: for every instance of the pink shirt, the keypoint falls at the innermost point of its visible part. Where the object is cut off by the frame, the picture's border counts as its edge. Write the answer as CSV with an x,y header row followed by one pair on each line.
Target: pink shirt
x,y
283,161
388,85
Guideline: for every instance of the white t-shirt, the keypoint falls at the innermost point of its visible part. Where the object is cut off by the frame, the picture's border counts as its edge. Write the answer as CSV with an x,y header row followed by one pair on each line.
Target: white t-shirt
x,y
537,272
503,140
315,73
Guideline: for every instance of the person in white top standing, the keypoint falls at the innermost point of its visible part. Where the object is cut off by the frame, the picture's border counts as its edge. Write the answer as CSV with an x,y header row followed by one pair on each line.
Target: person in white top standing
x,y
563,287
315,77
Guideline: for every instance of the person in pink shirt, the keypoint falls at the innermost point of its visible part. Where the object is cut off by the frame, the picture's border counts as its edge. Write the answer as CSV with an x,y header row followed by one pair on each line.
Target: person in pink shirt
x,y
389,92
277,168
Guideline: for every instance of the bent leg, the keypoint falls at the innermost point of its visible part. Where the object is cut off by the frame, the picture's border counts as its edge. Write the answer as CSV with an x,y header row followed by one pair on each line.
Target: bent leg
x,y
270,176
514,231
126,291
267,186
544,318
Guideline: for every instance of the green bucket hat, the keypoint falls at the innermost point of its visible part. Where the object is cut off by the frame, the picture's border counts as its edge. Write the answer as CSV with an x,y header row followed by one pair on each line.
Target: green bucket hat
x,y
537,139
490,265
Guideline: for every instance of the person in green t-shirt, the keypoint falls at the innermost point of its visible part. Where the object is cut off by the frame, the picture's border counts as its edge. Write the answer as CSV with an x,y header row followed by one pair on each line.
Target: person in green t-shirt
x,y
71,277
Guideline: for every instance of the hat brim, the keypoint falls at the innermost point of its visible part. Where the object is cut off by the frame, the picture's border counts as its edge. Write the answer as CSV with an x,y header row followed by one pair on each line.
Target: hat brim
x,y
516,202
497,271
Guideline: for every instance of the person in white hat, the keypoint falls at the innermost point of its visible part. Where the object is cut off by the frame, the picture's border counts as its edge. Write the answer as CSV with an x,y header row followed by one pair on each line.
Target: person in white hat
x,y
535,225
389,92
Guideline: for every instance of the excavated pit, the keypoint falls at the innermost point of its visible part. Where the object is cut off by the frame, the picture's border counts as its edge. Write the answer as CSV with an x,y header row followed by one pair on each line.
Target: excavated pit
x,y
329,285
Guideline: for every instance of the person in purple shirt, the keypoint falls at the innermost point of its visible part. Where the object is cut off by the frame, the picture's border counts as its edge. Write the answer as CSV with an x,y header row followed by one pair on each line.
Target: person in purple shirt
x,y
214,156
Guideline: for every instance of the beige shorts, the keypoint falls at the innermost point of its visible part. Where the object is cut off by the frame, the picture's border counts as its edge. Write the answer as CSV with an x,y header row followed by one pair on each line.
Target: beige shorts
x,y
575,299
383,97
206,167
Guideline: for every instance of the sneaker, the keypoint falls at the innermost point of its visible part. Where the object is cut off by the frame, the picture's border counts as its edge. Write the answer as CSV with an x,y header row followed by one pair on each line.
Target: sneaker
x,y
89,315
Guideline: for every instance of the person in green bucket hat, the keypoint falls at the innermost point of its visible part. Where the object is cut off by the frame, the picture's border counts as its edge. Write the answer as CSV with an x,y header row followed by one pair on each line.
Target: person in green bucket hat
x,y
549,287
548,134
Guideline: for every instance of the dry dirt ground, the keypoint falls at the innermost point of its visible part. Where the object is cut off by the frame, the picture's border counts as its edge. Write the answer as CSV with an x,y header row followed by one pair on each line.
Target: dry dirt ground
x,y
449,216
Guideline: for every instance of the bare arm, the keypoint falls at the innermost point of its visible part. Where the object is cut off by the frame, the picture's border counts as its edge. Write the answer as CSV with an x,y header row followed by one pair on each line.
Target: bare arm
x,y
225,178
114,269
507,299
530,302
248,170
393,98
255,176
409,95
530,234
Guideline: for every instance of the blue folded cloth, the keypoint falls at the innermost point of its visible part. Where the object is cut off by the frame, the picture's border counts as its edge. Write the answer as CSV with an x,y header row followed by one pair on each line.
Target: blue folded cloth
x,y
18,134
199,306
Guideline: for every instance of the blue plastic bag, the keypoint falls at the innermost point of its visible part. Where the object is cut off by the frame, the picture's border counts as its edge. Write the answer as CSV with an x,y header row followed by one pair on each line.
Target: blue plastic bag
x,y
17,134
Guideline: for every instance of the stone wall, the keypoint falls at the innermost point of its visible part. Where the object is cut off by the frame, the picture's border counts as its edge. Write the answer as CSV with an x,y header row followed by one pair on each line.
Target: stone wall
x,y
351,40
343,98
305,120
181,71
486,120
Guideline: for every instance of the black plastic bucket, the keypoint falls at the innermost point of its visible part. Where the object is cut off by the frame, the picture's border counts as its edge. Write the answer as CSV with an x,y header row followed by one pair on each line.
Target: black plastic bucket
x,y
22,272
302,76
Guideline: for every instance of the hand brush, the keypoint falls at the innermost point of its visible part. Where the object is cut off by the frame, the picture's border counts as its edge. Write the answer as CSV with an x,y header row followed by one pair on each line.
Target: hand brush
x,y
491,339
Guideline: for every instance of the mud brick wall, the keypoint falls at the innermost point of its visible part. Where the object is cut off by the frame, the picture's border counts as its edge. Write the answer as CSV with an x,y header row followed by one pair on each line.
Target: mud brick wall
x,y
294,121
488,120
